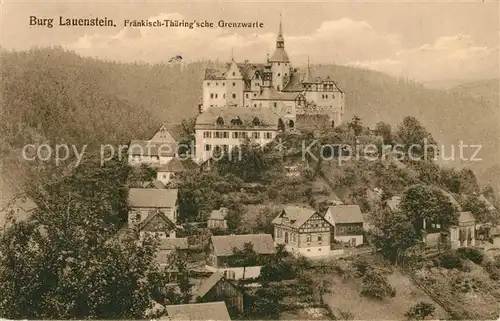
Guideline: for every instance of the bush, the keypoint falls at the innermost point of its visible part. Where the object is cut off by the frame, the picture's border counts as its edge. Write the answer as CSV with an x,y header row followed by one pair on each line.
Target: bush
x,y
421,310
376,285
473,254
451,260
361,266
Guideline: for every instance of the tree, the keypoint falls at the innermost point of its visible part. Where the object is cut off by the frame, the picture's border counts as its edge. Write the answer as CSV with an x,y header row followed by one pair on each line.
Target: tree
x,y
188,137
66,262
245,257
376,285
421,203
356,125
421,310
394,234
415,140
142,174
477,207
384,130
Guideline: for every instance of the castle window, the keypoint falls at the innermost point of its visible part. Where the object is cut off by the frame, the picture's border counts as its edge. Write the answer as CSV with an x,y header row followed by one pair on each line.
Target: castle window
x,y
256,121
246,95
326,96
278,63
223,95
211,96
234,95
278,88
217,84
333,123
234,74
286,74
255,95
208,147
216,96
220,121
208,83
234,84
275,105
279,74
255,105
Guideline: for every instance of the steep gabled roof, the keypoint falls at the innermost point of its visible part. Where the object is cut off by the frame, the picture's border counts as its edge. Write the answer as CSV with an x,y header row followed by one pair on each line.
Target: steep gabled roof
x,y
151,216
279,55
200,311
152,197
297,216
225,244
344,214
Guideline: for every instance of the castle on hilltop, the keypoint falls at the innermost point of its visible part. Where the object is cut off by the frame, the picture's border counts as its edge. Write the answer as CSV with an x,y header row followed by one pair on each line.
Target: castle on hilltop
x,y
275,85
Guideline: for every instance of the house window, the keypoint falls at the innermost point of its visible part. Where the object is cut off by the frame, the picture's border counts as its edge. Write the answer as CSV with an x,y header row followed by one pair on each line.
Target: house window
x,y
234,84
308,237
255,105
217,84
268,135
256,121
256,135
211,96
234,74
246,95
255,95
235,135
234,95
207,134
278,63
279,74
208,147
225,134
208,83
164,176
275,105
223,95
220,121
223,84
320,238
216,96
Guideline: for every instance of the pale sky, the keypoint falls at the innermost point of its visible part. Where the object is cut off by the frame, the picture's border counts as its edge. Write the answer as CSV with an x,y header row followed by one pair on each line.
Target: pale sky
x,y
427,41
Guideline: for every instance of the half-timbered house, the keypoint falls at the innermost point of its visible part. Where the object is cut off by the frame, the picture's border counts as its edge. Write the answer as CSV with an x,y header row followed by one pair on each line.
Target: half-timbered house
x,y
303,231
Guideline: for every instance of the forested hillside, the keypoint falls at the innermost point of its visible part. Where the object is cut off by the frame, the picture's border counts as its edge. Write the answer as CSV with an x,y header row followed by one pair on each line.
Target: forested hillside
x,y
51,95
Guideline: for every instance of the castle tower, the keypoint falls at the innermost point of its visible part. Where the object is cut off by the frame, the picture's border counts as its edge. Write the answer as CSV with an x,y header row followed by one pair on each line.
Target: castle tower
x,y
280,63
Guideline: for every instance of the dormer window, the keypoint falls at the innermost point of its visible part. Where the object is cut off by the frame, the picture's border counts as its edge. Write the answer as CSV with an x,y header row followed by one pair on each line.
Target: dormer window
x,y
236,121
256,121
220,121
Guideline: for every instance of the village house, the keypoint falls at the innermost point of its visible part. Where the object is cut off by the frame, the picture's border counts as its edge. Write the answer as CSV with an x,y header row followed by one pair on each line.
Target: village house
x,y
347,222
220,130
153,211
217,219
209,311
165,173
303,231
221,254
168,247
218,288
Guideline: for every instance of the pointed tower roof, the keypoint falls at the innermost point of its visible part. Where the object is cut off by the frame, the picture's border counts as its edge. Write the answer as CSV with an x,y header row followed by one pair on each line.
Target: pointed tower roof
x,y
308,76
280,54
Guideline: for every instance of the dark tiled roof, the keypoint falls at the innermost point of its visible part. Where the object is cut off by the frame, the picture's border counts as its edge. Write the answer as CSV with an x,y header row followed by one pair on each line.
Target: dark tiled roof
x,y
279,55
148,148
200,311
296,214
343,214
152,197
158,184
267,118
224,245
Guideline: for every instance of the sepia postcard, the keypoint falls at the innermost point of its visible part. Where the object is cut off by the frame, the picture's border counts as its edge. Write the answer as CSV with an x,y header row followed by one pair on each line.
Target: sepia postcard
x,y
249,160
